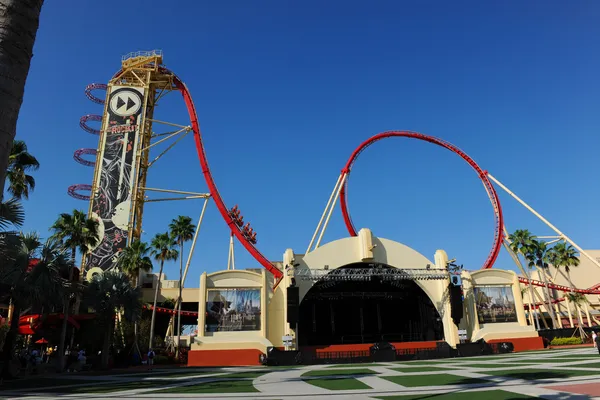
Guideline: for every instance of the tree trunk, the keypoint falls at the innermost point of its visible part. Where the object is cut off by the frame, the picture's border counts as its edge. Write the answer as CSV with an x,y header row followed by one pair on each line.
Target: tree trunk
x,y
151,341
135,323
568,303
9,342
180,300
548,297
531,303
63,332
19,22
106,344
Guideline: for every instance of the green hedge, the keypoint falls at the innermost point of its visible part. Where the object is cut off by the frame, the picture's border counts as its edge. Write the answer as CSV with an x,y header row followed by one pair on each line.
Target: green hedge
x,y
161,360
564,341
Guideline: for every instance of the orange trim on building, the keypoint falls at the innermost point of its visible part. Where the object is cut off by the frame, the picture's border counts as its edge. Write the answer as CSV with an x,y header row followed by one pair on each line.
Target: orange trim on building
x,y
523,344
223,358
366,346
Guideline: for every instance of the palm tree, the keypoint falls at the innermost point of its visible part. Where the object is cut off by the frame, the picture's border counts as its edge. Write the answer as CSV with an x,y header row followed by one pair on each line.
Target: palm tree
x,y
564,256
74,231
12,216
520,241
108,294
537,256
19,163
134,259
182,230
32,280
163,250
577,299
19,22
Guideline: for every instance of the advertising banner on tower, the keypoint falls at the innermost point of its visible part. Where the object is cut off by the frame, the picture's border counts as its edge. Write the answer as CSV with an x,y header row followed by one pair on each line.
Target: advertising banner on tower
x,y
232,310
495,304
111,201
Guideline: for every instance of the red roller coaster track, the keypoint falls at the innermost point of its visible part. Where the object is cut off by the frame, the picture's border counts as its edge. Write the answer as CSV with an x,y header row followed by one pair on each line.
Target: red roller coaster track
x,y
497,244
212,187
491,191
234,223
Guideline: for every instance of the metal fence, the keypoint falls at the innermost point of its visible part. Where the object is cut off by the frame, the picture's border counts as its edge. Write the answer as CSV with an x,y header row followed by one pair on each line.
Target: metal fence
x,y
383,352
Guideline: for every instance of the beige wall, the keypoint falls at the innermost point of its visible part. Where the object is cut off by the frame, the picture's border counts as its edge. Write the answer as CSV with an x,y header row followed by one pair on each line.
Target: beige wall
x,y
363,248
367,248
233,340
189,295
498,330
585,275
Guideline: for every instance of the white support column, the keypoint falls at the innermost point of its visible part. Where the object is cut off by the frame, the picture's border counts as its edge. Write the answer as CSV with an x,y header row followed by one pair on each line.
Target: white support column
x,y
193,247
202,305
544,220
331,209
230,255
587,314
334,193
263,304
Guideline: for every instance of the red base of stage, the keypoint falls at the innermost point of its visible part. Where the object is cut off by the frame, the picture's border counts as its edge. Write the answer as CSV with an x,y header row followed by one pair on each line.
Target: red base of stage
x,y
244,357
366,346
223,358
523,344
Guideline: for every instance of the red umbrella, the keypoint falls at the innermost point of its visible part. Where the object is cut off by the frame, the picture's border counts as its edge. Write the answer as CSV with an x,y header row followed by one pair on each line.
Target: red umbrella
x,y
42,341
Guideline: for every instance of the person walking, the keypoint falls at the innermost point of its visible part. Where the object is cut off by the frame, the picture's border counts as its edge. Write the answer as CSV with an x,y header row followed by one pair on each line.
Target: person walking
x,y
597,342
151,355
594,336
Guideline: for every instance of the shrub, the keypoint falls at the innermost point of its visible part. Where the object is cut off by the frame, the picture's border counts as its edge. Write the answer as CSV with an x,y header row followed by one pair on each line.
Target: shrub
x,y
565,341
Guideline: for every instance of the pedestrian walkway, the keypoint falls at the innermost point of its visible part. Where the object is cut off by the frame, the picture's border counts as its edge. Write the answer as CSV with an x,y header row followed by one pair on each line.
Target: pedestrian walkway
x,y
551,374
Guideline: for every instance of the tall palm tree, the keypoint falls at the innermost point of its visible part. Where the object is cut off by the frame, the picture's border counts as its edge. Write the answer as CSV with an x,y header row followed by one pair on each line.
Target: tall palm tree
x,y
162,250
75,231
19,22
108,294
564,256
537,256
577,299
134,259
20,184
182,230
520,241
33,279
12,216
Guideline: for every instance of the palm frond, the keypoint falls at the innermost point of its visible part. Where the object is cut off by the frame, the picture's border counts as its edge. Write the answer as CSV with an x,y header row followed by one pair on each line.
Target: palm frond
x,y
11,213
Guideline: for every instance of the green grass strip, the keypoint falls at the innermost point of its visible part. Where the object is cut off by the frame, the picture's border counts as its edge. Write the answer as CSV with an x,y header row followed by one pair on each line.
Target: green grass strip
x,y
406,369
37,382
487,395
432,380
241,386
533,374
338,383
332,372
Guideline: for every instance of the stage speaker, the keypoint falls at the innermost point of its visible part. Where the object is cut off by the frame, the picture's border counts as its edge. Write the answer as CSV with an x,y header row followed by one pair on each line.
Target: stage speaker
x,y
456,303
293,305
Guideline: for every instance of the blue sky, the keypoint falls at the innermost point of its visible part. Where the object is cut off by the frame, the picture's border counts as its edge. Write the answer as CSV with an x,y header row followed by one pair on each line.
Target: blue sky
x,y
286,90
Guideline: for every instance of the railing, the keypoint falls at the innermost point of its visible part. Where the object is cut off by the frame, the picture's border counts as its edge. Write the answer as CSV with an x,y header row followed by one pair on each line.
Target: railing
x,y
134,54
385,352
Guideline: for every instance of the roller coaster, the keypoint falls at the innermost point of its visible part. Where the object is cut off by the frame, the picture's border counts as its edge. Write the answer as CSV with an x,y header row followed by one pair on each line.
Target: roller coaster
x,y
144,72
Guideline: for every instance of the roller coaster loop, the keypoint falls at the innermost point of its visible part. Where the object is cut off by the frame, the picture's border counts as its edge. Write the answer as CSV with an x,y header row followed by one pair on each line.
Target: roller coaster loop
x,y
491,191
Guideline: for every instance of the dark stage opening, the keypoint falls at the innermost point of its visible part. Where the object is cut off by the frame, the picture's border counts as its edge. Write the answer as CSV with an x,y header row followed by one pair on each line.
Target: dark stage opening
x,y
366,310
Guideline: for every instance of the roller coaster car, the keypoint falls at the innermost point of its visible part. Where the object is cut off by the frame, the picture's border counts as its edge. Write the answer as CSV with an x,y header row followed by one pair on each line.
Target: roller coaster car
x,y
239,220
252,238
234,212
